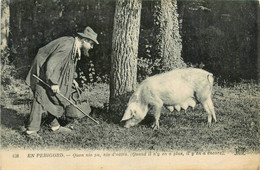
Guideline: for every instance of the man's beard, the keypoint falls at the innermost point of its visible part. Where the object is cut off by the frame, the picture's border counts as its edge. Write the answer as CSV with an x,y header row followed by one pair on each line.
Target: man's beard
x,y
85,51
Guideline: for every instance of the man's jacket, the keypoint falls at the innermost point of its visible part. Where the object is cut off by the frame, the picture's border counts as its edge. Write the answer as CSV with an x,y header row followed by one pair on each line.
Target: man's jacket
x,y
54,63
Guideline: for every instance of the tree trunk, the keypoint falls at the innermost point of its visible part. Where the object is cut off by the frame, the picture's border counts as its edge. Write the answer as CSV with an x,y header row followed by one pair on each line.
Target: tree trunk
x,y
169,39
124,51
258,43
5,22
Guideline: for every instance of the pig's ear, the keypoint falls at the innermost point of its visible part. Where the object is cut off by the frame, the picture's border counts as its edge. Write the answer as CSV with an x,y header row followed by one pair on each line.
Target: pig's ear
x,y
127,115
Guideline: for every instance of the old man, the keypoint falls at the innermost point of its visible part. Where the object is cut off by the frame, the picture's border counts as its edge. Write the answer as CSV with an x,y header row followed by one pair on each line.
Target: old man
x,y
55,64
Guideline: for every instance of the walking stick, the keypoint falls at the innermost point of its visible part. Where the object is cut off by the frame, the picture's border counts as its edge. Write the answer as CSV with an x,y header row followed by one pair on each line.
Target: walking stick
x,y
67,100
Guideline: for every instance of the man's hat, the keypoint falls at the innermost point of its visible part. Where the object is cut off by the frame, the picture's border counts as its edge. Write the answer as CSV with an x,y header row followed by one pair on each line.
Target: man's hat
x,y
90,34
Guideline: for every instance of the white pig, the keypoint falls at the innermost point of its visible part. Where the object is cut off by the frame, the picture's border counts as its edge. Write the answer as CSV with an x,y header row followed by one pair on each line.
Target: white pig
x,y
176,88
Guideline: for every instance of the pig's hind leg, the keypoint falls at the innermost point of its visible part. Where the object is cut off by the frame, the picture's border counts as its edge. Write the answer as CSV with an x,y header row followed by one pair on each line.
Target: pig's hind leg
x,y
208,106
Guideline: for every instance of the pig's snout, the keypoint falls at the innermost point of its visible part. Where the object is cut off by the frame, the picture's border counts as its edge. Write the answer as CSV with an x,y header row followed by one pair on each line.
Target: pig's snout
x,y
129,123
126,126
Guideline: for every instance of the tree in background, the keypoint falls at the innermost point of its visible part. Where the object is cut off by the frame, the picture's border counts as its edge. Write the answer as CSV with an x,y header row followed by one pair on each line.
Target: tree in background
x,y
222,35
5,23
124,50
258,42
168,37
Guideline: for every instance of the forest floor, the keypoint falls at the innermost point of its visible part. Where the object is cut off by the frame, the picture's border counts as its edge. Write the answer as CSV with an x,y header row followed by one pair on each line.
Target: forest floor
x,y
237,111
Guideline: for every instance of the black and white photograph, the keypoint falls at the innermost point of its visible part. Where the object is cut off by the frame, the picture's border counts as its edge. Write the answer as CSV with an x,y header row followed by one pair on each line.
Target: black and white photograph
x,y
130,84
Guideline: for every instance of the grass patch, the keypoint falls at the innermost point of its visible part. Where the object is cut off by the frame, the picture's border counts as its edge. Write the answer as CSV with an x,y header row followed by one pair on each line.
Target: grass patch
x,y
237,111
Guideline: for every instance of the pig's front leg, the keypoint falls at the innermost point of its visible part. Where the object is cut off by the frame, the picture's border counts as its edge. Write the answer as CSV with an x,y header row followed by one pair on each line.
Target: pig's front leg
x,y
157,113
156,125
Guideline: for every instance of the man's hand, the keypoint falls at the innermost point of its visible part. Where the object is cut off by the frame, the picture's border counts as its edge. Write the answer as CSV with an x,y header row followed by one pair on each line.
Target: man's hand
x,y
55,88
75,84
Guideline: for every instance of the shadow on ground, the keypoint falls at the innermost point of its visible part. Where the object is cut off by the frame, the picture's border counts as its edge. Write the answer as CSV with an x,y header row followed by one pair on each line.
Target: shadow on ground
x,y
10,118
